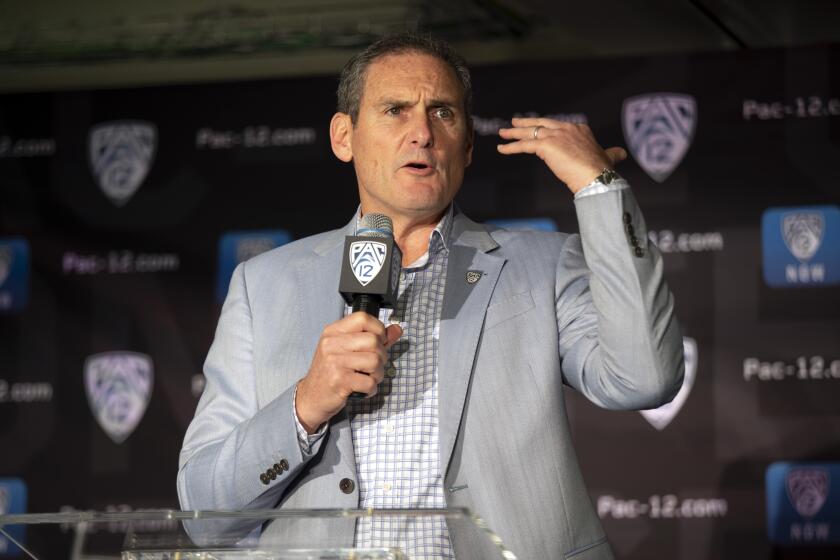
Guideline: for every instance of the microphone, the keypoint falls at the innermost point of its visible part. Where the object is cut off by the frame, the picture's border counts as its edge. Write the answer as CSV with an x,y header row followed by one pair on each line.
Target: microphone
x,y
370,269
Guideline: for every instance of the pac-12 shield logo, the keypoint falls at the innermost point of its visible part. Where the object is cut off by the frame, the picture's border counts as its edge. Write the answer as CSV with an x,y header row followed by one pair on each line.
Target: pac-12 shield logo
x,y
662,416
659,128
803,506
366,259
121,154
803,233
119,387
801,246
807,489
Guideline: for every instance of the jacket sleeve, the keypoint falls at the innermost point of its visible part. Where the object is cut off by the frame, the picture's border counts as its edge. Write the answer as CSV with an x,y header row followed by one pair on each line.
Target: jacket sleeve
x,y
618,333
231,441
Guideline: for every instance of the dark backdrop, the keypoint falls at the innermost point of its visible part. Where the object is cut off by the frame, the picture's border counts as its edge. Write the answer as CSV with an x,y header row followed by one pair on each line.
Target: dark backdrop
x,y
122,213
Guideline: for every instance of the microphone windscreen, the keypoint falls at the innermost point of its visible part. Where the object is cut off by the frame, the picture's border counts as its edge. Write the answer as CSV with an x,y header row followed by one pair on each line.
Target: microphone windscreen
x,y
375,225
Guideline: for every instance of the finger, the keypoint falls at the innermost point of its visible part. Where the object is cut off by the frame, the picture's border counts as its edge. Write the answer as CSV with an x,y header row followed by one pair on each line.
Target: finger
x,y
357,342
616,154
537,121
363,362
360,321
525,133
360,383
519,147
393,333
378,374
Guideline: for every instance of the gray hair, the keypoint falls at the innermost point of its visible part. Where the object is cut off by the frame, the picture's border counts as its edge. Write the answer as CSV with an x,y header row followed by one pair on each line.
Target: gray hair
x,y
353,74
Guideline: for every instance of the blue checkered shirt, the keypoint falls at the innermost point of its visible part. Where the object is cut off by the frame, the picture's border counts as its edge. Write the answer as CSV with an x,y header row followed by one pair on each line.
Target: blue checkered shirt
x,y
395,432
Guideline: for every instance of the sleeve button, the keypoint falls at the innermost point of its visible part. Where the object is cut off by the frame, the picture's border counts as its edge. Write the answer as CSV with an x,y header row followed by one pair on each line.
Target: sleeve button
x,y
346,485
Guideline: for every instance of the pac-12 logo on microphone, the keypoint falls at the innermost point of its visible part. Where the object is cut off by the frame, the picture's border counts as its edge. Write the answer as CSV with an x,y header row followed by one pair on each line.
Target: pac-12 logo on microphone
x,y
662,416
121,154
119,387
659,128
366,259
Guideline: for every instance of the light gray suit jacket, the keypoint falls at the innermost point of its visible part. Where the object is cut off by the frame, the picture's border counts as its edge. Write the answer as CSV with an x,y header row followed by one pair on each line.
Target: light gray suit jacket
x,y
589,311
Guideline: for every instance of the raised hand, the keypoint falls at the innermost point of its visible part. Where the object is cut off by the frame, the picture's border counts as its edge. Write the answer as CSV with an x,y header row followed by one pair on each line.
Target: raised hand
x,y
570,150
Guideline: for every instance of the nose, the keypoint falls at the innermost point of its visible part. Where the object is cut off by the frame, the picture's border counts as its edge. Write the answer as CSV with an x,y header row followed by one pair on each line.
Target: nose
x,y
421,134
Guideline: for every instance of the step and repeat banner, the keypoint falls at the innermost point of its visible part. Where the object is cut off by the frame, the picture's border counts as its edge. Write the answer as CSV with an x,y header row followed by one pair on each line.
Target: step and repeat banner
x,y
123,213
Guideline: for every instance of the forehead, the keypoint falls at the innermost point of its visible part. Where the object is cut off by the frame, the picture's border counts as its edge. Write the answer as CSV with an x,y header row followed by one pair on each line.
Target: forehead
x,y
410,73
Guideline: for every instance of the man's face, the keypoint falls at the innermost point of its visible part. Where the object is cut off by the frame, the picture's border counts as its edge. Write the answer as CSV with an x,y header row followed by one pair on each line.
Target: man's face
x,y
410,143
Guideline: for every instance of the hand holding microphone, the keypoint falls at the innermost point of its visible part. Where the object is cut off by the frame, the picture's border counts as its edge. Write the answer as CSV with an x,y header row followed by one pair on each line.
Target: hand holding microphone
x,y
351,353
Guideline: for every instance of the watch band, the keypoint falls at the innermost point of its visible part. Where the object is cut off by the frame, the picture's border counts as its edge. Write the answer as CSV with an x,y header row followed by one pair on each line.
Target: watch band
x,y
607,176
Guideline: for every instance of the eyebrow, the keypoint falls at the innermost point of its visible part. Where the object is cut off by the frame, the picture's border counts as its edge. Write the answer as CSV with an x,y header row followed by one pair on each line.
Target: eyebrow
x,y
391,102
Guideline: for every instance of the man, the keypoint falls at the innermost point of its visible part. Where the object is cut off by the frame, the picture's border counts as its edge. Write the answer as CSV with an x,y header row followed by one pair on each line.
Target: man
x,y
465,385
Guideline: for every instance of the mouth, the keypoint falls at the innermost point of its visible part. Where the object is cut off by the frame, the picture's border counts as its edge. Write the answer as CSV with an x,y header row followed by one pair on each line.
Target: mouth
x,y
419,168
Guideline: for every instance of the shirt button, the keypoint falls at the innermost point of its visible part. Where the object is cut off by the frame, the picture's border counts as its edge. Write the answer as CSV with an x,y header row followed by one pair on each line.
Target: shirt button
x,y
391,371
387,487
346,485
389,428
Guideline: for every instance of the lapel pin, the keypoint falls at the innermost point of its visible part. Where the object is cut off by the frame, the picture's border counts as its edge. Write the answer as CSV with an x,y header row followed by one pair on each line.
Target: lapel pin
x,y
473,276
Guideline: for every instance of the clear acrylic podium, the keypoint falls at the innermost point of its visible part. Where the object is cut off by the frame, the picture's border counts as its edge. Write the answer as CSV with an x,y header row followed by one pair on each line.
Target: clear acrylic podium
x,y
229,535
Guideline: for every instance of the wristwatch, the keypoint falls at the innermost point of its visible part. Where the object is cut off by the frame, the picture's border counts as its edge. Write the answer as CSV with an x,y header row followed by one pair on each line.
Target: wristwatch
x,y
607,176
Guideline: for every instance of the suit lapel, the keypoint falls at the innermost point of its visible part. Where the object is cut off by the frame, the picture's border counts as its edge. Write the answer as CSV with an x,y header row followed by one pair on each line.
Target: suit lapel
x,y
464,306
462,319
320,277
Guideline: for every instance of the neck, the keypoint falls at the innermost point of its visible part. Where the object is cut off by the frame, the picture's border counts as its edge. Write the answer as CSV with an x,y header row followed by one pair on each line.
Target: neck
x,y
412,234
413,241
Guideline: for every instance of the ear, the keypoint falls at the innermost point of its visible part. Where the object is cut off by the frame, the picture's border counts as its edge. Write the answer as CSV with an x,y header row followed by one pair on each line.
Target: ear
x,y
341,137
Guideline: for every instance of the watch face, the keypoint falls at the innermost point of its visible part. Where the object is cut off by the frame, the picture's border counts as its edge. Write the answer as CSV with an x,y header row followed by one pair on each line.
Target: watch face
x,y
608,176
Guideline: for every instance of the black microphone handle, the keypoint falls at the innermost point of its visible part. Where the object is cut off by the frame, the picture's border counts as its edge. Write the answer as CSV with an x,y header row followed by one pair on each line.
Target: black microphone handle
x,y
370,305
367,303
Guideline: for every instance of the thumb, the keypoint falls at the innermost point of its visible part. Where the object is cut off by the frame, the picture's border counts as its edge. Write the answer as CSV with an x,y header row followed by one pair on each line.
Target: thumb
x,y
393,333
616,154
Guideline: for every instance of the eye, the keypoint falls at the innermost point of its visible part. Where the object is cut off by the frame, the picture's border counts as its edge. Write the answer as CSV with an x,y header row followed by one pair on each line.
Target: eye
x,y
444,113
393,110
